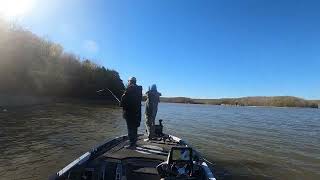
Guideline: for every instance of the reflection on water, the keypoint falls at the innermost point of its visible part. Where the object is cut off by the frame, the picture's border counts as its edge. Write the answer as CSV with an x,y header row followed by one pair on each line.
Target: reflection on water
x,y
250,143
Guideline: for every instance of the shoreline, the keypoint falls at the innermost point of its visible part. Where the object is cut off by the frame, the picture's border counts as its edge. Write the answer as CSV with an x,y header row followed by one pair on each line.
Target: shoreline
x,y
15,101
276,101
238,105
9,101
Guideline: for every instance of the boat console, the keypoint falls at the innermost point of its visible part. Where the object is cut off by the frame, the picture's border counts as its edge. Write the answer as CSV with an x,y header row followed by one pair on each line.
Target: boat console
x,y
179,165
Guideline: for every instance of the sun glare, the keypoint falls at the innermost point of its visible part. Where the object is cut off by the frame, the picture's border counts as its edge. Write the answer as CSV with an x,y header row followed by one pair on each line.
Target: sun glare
x,y
15,8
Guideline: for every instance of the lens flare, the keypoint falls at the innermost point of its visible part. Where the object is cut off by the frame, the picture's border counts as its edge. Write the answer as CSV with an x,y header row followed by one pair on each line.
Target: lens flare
x,y
15,8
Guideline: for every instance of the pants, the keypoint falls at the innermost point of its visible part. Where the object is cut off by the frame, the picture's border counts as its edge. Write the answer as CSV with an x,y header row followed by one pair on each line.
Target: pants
x,y
132,133
150,126
150,114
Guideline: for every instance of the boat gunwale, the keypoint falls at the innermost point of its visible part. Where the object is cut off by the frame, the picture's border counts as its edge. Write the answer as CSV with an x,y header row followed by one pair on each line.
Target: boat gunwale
x,y
89,155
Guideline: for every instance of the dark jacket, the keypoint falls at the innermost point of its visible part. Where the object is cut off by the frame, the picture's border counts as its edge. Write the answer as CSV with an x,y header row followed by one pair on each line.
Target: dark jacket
x,y
131,104
153,98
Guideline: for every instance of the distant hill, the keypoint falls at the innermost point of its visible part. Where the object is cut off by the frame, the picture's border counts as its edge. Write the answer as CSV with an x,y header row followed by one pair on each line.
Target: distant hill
x,y
178,100
277,101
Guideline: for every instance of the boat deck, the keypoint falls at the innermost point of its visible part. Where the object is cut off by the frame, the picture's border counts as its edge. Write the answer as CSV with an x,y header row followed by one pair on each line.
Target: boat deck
x,y
145,149
141,162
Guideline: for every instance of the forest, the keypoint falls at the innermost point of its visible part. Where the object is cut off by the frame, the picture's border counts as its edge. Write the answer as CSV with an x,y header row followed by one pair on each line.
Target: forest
x,y
32,65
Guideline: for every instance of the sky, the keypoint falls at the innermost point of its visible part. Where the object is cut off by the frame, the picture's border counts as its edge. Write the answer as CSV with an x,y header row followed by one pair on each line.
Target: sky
x,y
192,48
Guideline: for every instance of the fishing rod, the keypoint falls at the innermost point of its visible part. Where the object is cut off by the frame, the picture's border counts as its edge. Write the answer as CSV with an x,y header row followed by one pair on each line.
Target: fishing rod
x,y
110,93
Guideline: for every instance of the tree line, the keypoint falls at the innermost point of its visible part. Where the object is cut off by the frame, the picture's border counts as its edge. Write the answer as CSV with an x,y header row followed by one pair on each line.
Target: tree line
x,y
277,101
31,65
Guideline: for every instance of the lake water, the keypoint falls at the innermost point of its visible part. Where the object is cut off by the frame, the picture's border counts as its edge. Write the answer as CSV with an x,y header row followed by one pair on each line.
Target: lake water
x,y
244,142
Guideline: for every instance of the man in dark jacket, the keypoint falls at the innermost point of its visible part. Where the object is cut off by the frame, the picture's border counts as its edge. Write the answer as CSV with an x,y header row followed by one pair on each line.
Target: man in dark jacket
x,y
131,104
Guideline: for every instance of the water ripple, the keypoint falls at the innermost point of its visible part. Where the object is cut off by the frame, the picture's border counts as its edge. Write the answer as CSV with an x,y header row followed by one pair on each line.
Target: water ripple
x,y
251,143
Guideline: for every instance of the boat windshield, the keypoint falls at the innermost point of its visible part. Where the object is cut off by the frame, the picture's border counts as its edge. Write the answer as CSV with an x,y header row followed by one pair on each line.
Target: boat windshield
x,y
181,155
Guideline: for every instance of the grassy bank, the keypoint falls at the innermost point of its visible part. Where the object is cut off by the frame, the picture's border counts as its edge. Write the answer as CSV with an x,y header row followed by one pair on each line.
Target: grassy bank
x,y
277,101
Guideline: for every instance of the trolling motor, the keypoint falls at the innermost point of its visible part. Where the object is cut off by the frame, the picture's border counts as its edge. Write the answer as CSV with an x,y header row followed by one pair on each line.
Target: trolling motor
x,y
159,132
159,129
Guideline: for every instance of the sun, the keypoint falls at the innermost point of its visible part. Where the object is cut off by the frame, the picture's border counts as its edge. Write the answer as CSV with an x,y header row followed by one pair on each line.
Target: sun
x,y
15,8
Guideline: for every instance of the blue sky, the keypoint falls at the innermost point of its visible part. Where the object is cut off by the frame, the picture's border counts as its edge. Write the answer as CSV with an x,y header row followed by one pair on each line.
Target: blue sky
x,y
203,49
